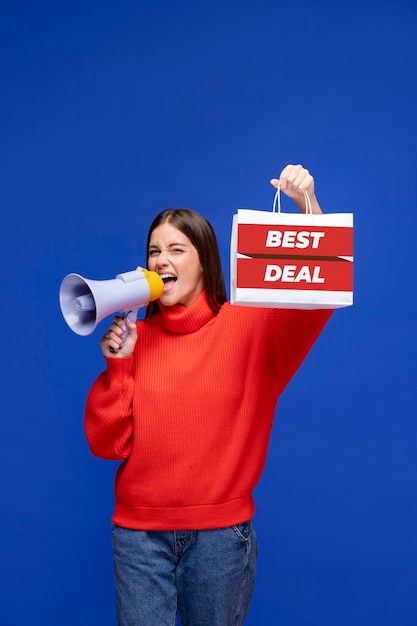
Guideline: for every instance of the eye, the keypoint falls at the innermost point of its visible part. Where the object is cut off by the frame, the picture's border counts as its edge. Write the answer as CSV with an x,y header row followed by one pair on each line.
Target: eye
x,y
177,251
153,252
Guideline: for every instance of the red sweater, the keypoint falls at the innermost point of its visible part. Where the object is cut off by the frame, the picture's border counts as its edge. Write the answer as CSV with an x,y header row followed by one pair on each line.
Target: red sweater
x,y
190,412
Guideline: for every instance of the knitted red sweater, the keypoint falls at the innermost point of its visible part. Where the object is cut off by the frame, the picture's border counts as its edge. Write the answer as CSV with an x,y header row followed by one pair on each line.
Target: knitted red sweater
x,y
190,412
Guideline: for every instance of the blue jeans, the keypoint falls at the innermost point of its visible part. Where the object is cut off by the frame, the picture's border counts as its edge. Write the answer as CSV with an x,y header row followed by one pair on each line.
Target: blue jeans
x,y
207,575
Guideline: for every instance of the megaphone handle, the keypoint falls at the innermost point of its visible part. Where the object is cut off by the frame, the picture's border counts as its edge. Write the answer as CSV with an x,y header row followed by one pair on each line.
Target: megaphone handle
x,y
132,317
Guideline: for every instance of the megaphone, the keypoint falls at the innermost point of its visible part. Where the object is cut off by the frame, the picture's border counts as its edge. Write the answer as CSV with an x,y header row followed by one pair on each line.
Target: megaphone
x,y
84,302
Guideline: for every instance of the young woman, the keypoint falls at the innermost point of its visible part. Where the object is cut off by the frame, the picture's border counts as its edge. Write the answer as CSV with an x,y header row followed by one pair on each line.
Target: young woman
x,y
187,403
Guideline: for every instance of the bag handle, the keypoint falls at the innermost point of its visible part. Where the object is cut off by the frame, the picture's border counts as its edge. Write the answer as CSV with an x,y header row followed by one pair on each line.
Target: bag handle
x,y
277,201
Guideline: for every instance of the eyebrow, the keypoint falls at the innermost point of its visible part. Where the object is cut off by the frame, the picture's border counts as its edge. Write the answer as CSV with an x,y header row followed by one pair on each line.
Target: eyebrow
x,y
171,245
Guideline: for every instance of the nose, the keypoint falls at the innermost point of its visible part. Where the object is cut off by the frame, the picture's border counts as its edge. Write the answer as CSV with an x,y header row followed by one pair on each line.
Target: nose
x,y
163,258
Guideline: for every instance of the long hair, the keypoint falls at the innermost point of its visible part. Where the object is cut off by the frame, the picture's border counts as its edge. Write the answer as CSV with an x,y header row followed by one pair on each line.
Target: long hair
x,y
201,234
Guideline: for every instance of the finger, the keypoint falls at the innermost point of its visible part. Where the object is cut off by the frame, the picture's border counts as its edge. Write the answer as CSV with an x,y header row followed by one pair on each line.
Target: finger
x,y
116,330
118,323
305,183
115,345
287,176
112,348
111,342
297,178
131,329
302,179
294,173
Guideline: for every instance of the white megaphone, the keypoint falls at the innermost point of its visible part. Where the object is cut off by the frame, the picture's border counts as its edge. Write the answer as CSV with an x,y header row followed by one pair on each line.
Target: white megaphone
x,y
84,303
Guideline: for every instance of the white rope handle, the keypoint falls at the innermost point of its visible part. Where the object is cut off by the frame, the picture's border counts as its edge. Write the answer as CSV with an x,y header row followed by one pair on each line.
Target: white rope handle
x,y
277,201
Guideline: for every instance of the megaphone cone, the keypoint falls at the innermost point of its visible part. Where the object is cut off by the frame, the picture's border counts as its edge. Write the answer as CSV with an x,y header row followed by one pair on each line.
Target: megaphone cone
x,y
84,302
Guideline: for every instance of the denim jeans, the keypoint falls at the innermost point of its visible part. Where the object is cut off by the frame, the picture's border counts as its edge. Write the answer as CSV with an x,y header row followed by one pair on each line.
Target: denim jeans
x,y
207,575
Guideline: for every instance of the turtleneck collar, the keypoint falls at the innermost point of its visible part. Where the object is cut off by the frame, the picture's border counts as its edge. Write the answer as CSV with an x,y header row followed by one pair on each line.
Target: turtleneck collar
x,y
181,319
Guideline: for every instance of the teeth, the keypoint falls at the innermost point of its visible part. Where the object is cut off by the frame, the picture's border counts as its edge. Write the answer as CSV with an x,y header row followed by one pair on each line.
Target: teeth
x,y
168,276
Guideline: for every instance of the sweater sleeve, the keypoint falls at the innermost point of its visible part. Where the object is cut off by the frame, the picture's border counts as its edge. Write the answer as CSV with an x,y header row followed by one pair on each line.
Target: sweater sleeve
x,y
295,331
108,418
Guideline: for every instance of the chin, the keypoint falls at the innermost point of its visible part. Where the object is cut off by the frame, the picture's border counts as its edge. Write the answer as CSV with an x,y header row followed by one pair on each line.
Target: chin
x,y
167,301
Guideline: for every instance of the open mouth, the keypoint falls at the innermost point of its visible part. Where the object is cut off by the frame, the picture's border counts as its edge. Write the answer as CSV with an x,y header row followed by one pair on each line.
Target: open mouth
x,y
169,281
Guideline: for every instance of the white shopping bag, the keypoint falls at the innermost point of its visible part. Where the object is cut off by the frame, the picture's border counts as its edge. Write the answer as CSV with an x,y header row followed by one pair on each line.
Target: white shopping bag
x,y
296,261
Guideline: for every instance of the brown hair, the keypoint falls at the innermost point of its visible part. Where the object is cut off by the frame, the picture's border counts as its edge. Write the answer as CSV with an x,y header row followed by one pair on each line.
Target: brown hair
x,y
201,234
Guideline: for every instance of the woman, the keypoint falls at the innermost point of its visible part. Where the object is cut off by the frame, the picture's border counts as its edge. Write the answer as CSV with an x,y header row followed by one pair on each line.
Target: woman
x,y
187,403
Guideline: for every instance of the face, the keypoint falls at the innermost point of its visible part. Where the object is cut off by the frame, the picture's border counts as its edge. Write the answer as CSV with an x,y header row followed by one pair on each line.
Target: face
x,y
176,260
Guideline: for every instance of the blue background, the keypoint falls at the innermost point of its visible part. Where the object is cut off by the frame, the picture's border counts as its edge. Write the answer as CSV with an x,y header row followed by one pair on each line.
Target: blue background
x,y
112,111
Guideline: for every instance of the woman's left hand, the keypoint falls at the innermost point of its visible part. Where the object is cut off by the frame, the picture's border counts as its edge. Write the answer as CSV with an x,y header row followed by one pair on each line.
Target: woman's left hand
x,y
294,181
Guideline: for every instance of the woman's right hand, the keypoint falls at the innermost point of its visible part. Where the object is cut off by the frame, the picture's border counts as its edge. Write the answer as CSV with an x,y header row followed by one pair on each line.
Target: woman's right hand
x,y
112,344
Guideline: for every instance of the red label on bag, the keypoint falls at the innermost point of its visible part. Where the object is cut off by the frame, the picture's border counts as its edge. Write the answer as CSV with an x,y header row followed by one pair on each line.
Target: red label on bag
x,y
270,240
301,274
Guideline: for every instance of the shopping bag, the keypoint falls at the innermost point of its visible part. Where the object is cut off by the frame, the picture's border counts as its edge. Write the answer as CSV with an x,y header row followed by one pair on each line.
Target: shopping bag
x,y
295,261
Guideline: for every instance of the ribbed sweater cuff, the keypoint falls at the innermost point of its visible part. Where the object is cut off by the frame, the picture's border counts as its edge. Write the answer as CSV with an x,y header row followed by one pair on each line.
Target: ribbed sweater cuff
x,y
119,369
